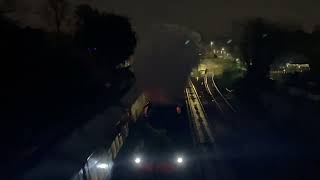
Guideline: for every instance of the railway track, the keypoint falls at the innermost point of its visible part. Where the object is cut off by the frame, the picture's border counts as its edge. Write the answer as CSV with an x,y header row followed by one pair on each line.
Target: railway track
x,y
221,102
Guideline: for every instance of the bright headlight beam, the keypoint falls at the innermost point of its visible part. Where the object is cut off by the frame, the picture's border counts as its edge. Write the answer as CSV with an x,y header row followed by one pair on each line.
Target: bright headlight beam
x,y
179,160
137,160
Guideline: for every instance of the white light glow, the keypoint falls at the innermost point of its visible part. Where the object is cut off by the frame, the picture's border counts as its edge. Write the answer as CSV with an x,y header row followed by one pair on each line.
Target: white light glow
x,y
137,160
103,166
179,160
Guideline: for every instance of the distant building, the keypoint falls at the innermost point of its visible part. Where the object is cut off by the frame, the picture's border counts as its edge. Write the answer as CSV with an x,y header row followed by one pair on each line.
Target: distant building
x,y
297,67
278,72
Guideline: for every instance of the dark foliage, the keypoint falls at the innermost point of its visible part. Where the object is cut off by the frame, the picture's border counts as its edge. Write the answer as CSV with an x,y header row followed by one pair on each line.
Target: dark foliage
x,y
263,41
109,36
50,86
259,47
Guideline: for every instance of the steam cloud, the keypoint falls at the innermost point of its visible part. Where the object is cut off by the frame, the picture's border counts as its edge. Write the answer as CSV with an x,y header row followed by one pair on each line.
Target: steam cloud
x,y
163,61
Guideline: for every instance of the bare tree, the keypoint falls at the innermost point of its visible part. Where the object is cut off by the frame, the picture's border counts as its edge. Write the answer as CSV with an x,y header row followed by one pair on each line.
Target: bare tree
x,y
57,12
7,6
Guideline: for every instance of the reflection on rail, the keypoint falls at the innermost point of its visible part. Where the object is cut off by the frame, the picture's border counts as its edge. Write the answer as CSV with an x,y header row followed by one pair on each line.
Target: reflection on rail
x,y
225,100
223,104
211,94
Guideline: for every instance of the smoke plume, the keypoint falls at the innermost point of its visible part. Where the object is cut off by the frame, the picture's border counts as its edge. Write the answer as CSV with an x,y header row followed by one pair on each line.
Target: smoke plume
x,y
163,61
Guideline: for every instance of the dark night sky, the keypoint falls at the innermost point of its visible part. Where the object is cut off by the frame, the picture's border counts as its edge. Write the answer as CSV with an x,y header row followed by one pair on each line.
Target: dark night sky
x,y
210,17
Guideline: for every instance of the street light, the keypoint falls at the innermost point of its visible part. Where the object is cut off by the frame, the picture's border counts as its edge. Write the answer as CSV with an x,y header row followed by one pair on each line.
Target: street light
x,y
211,43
